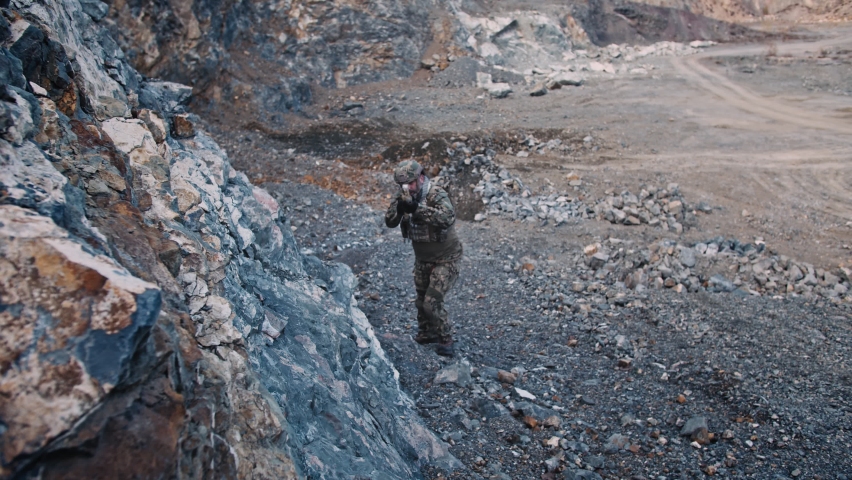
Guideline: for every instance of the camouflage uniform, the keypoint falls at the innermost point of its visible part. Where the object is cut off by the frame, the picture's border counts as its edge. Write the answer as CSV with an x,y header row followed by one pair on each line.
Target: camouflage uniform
x,y
437,251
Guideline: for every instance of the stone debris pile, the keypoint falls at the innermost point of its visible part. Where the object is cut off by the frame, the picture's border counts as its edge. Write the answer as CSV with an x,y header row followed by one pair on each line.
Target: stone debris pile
x,y
616,270
505,194
578,65
664,207
544,53
725,265
613,273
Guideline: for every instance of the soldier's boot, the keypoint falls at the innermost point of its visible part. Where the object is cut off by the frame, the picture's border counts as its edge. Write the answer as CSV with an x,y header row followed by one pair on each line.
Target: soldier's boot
x,y
425,330
445,347
424,338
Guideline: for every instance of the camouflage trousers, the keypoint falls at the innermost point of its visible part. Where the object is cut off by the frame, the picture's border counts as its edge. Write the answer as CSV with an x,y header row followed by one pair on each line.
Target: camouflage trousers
x,y
432,282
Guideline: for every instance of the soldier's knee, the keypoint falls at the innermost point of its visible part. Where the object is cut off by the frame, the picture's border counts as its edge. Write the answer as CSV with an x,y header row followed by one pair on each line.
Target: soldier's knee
x,y
428,306
435,295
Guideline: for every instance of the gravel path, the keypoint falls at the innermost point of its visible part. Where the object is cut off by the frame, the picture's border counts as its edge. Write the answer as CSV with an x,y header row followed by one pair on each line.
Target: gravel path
x,y
552,383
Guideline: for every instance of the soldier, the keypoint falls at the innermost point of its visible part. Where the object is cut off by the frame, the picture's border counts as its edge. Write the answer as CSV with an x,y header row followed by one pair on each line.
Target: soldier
x,y
426,216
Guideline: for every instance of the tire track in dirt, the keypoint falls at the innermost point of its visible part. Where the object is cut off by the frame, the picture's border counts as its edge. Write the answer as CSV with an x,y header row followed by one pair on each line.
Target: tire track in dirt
x,y
744,99
818,178
716,160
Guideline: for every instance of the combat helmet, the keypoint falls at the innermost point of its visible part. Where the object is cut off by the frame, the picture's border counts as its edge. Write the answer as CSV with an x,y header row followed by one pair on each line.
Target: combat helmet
x,y
407,171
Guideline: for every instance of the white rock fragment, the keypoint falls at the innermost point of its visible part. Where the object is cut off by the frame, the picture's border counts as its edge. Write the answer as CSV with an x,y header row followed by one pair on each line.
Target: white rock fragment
x,y
524,394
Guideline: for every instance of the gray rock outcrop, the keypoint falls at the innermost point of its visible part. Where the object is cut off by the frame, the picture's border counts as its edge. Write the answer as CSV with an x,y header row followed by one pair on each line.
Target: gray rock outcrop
x,y
156,316
269,54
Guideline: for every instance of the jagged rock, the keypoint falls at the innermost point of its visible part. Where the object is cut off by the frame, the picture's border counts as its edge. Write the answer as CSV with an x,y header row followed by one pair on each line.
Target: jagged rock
x,y
674,207
353,107
794,273
30,181
33,47
552,463
183,126
458,373
186,331
616,442
93,316
154,123
687,257
95,9
722,284
568,78
506,377
19,114
11,69
164,96
846,274
580,474
538,90
535,411
489,409
483,80
598,260
111,107
696,429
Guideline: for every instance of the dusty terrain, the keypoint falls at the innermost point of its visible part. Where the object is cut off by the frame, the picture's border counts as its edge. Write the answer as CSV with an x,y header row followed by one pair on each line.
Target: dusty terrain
x,y
761,133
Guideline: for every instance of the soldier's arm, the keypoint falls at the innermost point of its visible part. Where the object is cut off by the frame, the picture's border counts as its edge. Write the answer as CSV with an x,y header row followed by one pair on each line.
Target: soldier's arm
x,y
441,214
392,217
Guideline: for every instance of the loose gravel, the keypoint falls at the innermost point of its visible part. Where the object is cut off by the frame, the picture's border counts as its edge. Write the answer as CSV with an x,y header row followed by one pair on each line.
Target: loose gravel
x,y
557,376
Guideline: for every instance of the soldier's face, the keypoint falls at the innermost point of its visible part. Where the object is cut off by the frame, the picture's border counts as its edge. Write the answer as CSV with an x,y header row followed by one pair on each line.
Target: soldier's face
x,y
413,186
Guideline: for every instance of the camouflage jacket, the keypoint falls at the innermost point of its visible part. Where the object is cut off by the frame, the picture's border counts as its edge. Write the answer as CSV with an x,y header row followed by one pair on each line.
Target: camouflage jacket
x,y
430,228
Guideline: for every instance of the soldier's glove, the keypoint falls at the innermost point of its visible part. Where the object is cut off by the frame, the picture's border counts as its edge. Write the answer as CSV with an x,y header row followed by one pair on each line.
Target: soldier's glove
x,y
406,206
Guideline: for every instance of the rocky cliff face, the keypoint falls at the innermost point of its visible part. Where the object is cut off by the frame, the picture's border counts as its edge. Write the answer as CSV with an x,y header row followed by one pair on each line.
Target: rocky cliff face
x,y
258,60
156,317
267,54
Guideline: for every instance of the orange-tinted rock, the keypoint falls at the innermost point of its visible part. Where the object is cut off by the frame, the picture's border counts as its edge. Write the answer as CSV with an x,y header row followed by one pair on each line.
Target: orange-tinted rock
x,y
71,324
182,126
67,103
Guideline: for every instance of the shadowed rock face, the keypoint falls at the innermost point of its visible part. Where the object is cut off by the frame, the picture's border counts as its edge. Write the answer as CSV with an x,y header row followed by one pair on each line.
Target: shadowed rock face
x,y
270,53
156,316
609,22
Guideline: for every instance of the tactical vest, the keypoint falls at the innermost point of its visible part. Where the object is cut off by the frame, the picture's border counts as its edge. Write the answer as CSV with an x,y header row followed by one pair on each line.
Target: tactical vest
x,y
421,232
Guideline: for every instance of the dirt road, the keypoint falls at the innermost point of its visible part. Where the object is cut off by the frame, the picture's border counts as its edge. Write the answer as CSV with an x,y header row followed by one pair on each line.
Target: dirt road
x,y
807,173
743,98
